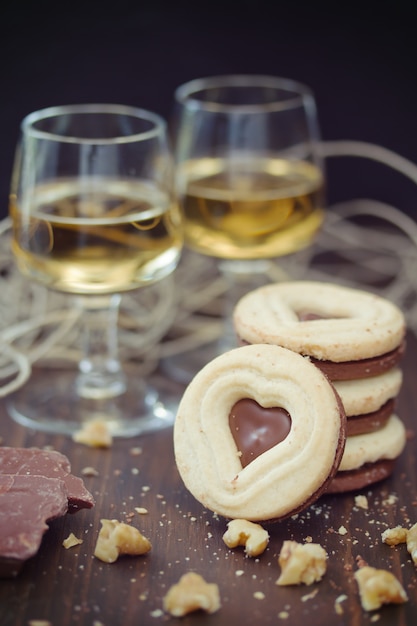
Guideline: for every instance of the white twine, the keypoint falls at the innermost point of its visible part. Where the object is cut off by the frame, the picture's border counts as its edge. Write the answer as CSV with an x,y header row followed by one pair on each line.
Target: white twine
x,y
363,243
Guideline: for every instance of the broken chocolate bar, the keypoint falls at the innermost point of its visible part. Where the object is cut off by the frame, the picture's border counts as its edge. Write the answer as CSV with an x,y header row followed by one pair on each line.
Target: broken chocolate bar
x,y
51,463
26,504
36,486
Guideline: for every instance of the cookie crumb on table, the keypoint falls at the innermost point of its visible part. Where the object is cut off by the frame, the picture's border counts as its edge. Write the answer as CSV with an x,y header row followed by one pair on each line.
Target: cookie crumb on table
x,y
361,502
141,510
89,471
192,593
95,434
71,541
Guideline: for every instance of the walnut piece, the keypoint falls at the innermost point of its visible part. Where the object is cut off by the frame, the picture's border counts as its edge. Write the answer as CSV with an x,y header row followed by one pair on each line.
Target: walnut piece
x,y
394,536
301,563
378,587
95,434
411,541
192,593
241,532
117,538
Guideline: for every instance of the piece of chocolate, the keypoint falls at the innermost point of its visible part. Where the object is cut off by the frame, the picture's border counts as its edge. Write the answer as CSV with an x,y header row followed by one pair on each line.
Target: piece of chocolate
x,y
36,486
49,463
256,429
26,504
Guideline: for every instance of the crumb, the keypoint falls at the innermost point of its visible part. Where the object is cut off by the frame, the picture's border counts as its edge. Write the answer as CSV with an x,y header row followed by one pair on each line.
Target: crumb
x,y
342,530
411,541
89,471
391,499
39,622
360,561
116,538
190,594
259,595
309,596
361,502
71,541
141,510
338,604
240,532
301,563
378,587
95,434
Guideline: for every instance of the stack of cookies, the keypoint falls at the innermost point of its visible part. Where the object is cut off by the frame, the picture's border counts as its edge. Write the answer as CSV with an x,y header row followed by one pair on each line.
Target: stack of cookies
x,y
357,339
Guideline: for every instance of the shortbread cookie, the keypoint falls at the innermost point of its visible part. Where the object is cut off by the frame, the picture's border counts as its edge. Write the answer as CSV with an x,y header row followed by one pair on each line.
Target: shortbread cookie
x,y
324,321
369,402
386,443
260,432
369,394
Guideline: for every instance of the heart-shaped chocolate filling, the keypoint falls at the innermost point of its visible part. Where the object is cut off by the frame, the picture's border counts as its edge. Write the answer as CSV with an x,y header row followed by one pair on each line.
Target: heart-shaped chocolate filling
x,y
256,429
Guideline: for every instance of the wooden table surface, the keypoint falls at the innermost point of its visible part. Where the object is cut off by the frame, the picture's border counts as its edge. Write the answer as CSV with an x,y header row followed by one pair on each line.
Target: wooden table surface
x,y
72,587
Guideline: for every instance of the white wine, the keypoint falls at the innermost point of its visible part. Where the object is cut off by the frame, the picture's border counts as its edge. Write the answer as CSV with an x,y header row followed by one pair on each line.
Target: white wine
x,y
248,209
109,238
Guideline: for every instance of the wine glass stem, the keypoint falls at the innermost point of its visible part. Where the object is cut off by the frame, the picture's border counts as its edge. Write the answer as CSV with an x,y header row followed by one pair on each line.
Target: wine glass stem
x,y
240,277
100,372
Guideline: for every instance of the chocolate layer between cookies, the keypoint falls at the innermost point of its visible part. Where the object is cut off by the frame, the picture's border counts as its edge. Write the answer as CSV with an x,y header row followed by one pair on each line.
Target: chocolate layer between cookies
x,y
364,476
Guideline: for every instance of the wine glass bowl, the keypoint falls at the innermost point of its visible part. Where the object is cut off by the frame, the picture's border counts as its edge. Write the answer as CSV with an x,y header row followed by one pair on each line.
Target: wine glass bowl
x,y
249,174
94,215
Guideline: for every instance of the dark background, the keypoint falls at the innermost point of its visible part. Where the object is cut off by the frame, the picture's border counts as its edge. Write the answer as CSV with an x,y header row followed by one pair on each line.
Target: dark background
x,y
359,59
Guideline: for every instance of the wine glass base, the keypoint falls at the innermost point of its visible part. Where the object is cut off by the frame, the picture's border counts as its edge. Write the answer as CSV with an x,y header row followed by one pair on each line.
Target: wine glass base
x,y
48,402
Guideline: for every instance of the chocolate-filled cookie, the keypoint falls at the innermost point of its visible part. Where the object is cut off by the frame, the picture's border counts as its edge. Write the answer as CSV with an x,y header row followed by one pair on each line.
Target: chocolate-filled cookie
x,y
327,322
259,434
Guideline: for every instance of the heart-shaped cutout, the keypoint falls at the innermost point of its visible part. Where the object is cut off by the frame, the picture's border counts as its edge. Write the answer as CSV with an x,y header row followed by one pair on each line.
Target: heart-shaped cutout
x,y
256,429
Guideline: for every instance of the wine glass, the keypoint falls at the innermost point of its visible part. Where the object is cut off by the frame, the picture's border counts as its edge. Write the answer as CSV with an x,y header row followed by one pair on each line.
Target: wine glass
x,y
250,180
94,215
